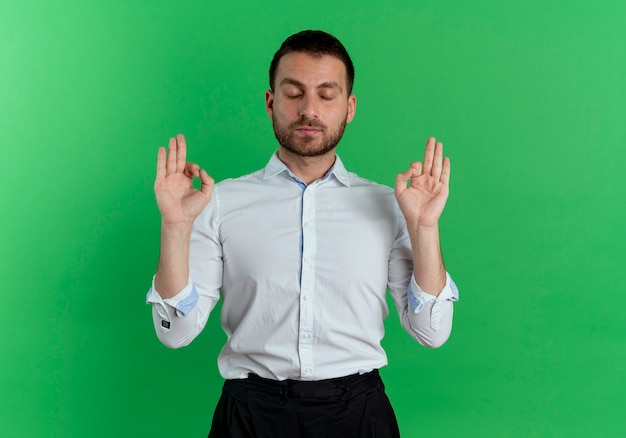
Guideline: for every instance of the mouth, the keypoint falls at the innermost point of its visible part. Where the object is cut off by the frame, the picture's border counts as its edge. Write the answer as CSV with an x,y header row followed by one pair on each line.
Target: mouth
x,y
308,130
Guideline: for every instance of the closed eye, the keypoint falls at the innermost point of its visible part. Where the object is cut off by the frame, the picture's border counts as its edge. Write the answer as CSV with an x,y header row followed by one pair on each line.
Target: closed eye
x,y
328,94
292,91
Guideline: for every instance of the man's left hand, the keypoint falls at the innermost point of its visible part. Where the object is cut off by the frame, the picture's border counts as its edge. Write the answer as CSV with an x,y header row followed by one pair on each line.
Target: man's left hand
x,y
422,190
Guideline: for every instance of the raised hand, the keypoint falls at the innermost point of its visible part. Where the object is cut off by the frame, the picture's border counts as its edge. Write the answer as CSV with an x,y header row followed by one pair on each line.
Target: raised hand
x,y
423,199
179,202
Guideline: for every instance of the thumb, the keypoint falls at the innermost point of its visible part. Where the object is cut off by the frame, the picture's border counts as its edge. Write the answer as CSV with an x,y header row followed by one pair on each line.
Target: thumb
x,y
403,178
207,183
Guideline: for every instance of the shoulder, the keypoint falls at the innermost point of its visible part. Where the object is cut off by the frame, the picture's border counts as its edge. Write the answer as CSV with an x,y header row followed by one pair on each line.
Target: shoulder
x,y
363,184
229,191
376,196
229,184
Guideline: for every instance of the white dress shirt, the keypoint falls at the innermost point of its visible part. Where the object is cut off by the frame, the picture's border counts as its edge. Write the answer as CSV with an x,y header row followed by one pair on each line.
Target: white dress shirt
x,y
303,273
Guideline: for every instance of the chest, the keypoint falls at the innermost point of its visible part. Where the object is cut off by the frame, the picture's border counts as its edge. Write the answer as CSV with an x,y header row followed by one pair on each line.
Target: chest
x,y
342,233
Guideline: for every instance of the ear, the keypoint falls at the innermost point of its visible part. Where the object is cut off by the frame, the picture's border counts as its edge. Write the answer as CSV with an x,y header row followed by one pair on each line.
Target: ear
x,y
351,108
269,103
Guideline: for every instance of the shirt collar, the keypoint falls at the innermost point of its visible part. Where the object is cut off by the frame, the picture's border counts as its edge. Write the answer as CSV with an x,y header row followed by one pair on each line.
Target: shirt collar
x,y
275,166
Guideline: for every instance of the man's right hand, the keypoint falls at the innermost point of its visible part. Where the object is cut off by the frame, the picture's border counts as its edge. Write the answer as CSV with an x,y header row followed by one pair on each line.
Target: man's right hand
x,y
178,201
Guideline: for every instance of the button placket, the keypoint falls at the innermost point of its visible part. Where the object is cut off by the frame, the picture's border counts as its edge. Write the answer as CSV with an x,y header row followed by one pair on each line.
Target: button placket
x,y
307,285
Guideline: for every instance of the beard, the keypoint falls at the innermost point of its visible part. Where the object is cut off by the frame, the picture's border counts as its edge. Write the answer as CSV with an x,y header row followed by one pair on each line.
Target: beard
x,y
308,146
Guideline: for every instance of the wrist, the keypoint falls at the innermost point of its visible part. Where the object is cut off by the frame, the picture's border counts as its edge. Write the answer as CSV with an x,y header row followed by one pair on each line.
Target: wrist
x,y
176,231
422,228
423,237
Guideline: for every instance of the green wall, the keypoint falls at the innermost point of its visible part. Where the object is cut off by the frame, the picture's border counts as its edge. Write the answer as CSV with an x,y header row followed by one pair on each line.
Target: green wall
x,y
528,97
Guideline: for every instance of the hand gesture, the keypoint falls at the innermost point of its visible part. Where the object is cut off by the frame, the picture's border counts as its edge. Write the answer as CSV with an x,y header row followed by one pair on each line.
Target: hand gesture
x,y
179,202
423,200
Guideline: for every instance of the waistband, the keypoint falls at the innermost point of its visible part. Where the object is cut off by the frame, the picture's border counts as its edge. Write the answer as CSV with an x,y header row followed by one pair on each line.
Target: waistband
x,y
340,388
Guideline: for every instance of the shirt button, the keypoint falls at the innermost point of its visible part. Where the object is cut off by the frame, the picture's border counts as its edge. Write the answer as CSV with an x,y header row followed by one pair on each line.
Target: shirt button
x,y
305,298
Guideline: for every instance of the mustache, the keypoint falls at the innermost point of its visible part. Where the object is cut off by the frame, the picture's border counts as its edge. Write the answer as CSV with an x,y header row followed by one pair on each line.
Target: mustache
x,y
308,123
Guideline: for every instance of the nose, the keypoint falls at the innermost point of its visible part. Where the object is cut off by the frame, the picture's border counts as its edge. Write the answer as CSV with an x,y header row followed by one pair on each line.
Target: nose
x,y
308,108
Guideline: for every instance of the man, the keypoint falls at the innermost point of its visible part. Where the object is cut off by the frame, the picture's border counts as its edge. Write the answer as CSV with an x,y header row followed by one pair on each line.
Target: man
x,y
302,253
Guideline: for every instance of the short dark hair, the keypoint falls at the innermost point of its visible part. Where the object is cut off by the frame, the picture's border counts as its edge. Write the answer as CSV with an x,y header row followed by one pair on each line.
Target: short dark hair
x,y
316,43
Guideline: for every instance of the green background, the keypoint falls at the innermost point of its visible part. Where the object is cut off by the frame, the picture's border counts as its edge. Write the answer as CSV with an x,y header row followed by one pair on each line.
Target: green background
x,y
529,99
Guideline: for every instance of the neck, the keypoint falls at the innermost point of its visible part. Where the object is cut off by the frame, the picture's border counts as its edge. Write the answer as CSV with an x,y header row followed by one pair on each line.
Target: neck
x,y
307,169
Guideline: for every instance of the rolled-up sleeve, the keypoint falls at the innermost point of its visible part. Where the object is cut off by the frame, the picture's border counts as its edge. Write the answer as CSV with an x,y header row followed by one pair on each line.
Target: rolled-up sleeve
x,y
427,318
418,299
179,319
182,303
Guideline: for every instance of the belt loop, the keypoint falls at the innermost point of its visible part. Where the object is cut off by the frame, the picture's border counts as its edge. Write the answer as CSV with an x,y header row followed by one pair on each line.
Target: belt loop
x,y
345,390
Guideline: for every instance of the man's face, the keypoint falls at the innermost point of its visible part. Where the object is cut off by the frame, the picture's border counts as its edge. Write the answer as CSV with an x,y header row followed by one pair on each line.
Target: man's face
x,y
309,107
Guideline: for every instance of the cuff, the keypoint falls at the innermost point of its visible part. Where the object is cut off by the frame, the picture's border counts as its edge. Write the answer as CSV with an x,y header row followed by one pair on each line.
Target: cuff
x,y
183,302
418,299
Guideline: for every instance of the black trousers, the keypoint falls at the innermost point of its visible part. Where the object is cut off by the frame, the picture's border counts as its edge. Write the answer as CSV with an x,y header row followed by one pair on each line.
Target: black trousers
x,y
353,406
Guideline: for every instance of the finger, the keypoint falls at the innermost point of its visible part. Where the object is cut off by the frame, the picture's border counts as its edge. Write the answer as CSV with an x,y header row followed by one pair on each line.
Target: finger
x,y
414,170
437,161
207,182
161,157
416,167
192,170
402,179
429,153
171,157
445,172
181,153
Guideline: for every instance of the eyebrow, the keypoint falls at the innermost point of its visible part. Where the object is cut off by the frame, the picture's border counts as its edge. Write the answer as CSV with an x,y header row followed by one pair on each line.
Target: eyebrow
x,y
327,84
